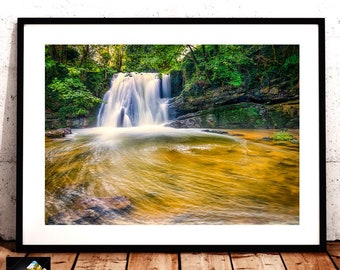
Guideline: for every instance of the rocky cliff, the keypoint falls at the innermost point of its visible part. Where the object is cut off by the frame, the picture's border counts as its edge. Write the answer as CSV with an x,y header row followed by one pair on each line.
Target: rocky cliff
x,y
275,105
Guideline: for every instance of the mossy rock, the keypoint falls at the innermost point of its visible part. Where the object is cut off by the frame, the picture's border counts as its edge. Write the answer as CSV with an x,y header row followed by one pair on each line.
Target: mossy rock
x,y
283,136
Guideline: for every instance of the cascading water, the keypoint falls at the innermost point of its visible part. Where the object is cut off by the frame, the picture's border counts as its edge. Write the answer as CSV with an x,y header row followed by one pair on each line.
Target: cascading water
x,y
135,99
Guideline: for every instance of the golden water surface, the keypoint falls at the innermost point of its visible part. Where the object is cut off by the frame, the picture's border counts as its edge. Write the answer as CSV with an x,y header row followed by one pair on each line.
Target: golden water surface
x,y
172,176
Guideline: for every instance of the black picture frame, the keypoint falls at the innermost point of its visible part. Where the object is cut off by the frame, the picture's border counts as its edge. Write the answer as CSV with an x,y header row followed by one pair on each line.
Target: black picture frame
x,y
311,29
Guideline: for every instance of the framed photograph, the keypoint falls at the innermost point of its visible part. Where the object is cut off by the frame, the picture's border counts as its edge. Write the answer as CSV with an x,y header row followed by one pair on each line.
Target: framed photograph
x,y
171,134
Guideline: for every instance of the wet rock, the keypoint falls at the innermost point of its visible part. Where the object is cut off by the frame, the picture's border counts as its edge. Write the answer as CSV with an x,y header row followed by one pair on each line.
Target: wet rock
x,y
67,130
106,204
217,131
63,218
91,211
90,217
237,135
247,115
58,133
80,217
185,123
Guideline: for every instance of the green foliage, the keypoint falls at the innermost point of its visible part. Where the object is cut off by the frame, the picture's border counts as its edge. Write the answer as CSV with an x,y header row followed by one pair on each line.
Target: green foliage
x,y
275,62
291,61
75,80
153,58
283,136
246,115
218,64
73,97
227,65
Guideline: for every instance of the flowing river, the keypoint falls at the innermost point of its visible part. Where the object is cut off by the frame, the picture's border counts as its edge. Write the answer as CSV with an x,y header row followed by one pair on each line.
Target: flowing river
x,y
159,175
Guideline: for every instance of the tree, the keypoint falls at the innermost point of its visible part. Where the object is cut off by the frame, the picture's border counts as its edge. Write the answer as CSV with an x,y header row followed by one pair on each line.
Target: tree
x,y
236,65
71,85
153,58
72,98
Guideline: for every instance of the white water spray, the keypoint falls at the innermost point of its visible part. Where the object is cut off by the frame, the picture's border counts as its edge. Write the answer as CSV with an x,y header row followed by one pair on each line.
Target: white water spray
x,y
135,99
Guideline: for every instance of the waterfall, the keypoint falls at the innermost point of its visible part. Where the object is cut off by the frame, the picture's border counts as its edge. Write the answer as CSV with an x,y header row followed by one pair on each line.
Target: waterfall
x,y
166,86
135,99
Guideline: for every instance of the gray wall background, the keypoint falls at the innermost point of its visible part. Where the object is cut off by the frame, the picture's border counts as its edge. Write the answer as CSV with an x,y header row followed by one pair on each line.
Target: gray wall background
x,y
10,10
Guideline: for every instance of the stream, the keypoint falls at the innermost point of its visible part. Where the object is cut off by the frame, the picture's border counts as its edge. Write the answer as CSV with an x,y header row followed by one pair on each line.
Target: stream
x,y
159,175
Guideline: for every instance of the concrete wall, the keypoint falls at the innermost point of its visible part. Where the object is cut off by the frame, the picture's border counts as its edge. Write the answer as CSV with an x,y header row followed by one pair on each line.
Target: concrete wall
x,y
10,10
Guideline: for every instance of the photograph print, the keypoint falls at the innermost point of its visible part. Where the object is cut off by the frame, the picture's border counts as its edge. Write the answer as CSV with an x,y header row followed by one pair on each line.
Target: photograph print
x,y
194,134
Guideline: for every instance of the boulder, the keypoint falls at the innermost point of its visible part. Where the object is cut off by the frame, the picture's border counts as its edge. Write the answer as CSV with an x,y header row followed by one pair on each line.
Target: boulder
x,y
58,133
